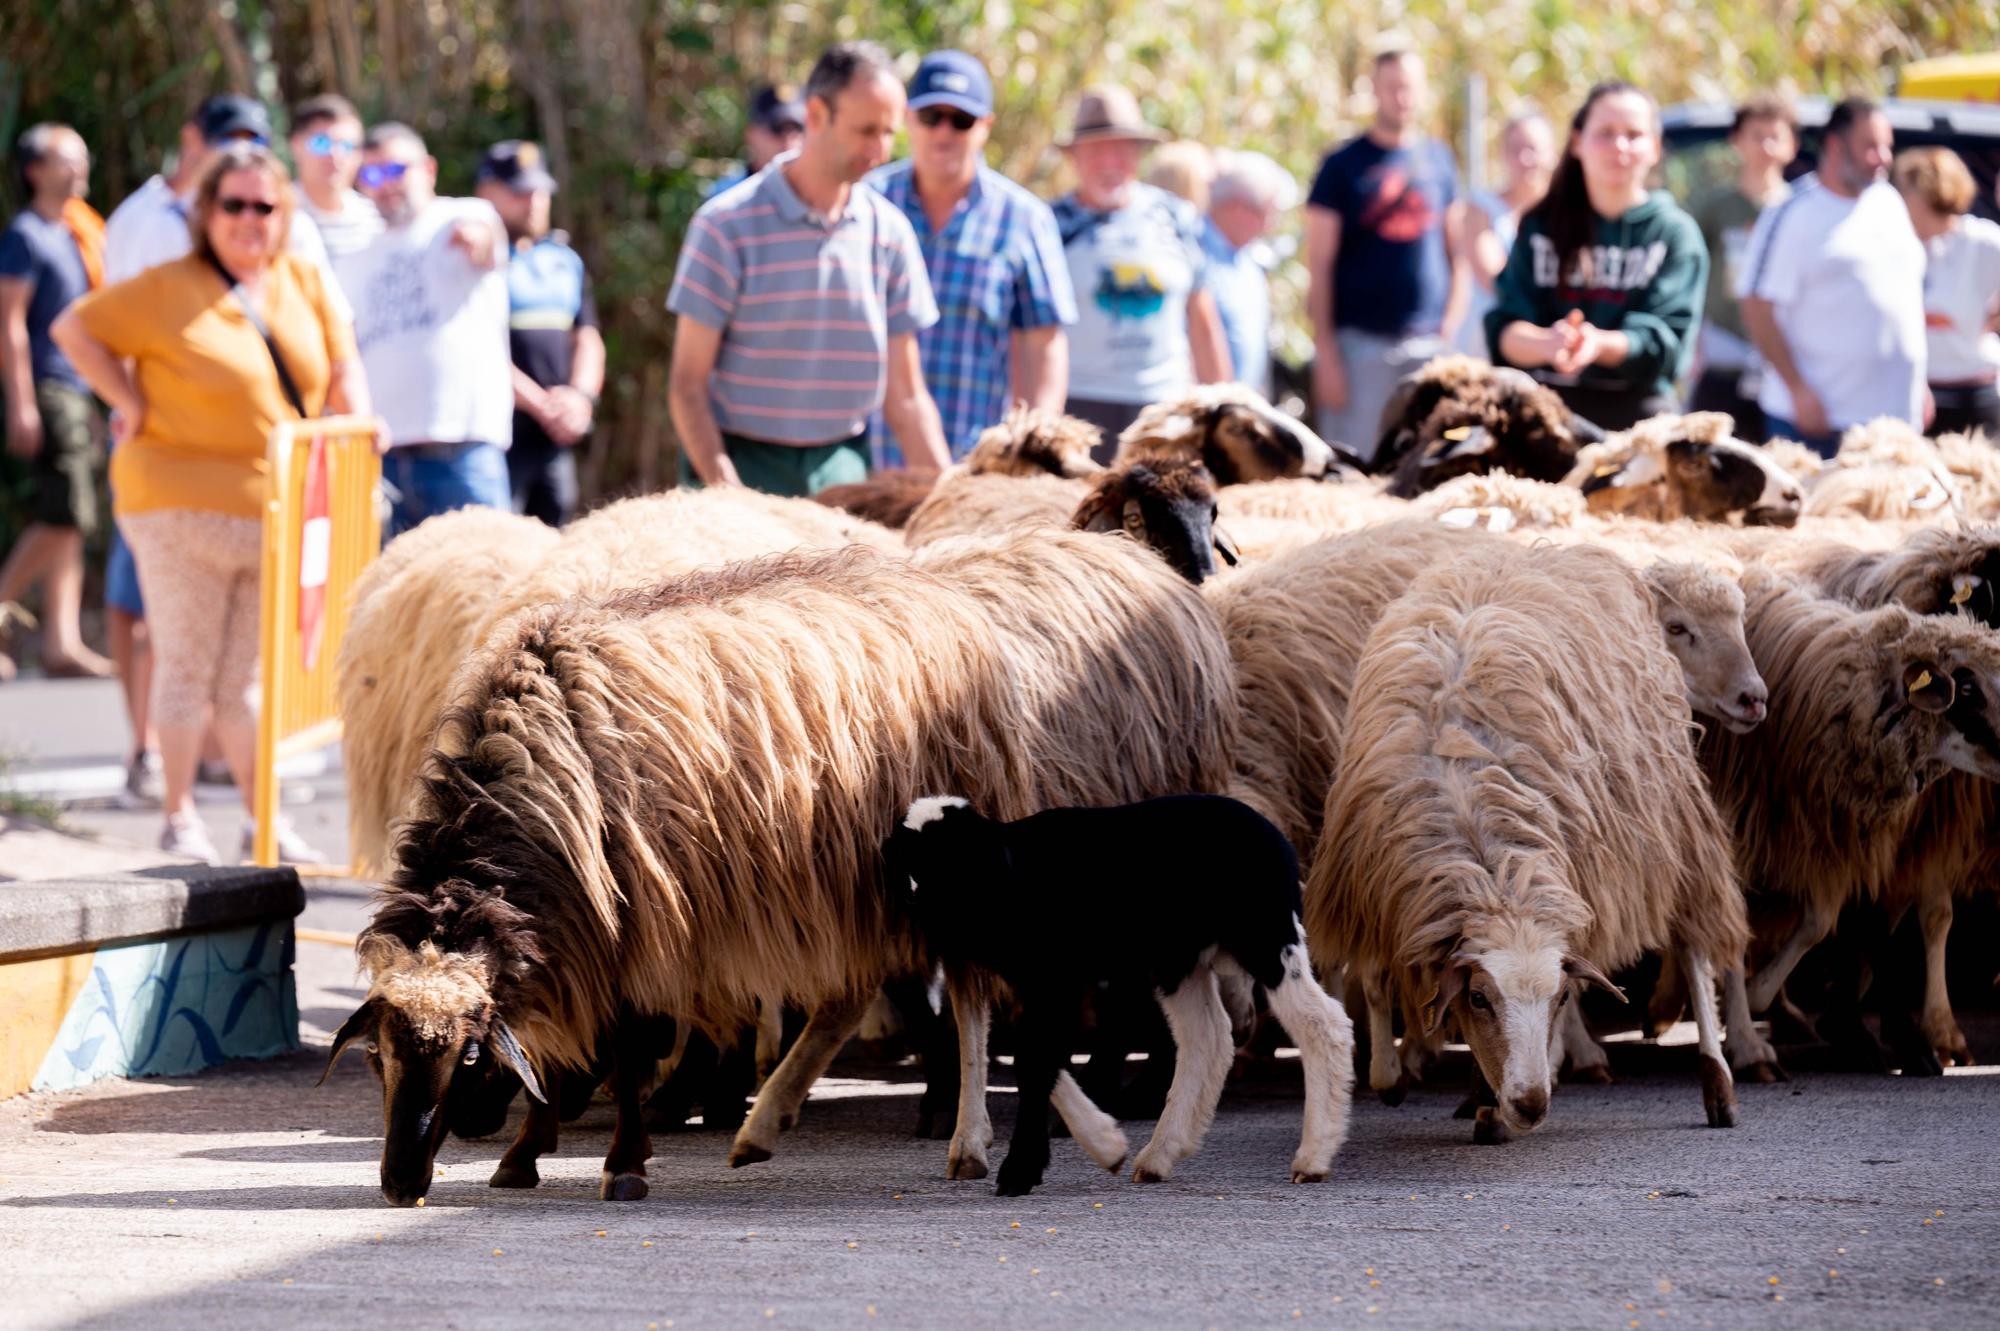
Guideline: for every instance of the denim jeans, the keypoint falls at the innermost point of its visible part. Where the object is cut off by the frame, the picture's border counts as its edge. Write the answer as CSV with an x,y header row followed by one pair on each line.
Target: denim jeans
x,y
428,479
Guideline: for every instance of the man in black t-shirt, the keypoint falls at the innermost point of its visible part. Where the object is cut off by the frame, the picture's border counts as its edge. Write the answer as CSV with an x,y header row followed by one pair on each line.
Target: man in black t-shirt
x,y
552,329
1386,289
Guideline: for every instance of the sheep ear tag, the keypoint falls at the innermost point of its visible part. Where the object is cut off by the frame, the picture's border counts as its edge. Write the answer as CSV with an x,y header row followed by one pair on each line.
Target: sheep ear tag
x,y
1468,440
1962,587
504,1044
1926,690
1225,547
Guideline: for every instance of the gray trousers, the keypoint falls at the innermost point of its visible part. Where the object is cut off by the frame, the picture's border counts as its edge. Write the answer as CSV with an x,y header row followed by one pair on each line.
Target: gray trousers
x,y
1374,364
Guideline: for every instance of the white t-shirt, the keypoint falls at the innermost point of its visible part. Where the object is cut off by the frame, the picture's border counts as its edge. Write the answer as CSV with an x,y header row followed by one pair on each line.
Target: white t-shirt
x,y
433,329
151,228
347,229
1845,278
1960,288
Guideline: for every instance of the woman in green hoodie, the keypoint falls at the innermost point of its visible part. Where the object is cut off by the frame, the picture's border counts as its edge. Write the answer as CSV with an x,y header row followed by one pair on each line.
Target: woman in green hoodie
x,y
1603,292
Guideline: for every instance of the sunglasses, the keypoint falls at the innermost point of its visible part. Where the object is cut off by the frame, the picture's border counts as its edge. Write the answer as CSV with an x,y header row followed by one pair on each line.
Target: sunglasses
x,y
933,116
377,174
325,145
237,207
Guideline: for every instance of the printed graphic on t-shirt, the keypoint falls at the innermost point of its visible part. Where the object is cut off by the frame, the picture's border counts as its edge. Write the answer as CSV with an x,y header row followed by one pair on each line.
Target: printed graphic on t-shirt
x,y
397,301
1397,209
1130,291
1601,272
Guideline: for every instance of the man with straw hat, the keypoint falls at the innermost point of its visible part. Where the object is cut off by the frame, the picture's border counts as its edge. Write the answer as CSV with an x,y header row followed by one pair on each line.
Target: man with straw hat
x,y
1147,327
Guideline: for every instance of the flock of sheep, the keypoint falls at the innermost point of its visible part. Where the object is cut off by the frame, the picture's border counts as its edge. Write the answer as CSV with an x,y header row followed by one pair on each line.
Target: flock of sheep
x,y
1529,702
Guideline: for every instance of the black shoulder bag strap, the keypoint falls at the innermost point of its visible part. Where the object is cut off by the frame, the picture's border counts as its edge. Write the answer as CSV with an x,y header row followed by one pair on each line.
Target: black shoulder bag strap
x,y
264,331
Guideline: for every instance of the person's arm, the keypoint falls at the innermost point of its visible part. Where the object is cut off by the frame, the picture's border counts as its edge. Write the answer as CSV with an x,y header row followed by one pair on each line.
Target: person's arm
x,y
1659,325
17,371
696,346
530,397
483,241
1041,367
1760,320
1208,345
1485,257
1458,290
102,370
1322,252
910,411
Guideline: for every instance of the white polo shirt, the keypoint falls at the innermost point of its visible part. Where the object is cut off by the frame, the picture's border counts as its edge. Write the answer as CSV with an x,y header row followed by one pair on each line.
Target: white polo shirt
x,y
1845,278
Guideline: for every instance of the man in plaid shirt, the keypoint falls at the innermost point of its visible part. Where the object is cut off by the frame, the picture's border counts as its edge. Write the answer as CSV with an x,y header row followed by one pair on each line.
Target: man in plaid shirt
x,y
994,256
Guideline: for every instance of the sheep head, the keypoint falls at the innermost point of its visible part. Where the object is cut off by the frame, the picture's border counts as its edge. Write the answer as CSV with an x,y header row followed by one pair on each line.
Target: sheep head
x,y
1458,416
1233,431
1701,615
1689,466
1506,983
428,1014
1167,505
1031,442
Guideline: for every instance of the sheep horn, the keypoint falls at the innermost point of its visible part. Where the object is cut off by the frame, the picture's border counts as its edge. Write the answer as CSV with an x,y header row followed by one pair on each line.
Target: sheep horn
x,y
511,1053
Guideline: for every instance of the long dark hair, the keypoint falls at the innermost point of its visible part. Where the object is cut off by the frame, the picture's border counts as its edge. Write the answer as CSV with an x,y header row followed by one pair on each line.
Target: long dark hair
x,y
1564,214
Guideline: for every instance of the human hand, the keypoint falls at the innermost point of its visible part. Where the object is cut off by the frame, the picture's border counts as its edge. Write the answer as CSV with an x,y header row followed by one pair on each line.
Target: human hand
x,y
568,414
1329,380
24,430
127,419
1809,413
477,241
1582,344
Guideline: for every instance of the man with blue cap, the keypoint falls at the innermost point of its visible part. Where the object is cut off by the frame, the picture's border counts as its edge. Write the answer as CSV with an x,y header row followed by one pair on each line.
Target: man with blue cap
x,y
994,256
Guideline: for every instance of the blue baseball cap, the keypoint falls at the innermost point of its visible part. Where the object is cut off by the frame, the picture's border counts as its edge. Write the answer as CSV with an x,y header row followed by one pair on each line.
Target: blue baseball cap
x,y
955,79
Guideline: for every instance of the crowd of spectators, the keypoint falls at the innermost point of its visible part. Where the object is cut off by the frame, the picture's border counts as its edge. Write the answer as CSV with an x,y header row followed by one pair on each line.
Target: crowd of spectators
x,y
839,312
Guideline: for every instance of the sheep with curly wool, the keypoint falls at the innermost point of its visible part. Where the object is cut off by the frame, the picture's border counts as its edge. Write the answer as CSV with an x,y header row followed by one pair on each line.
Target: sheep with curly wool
x,y
1518,807
1027,442
1191,887
1460,416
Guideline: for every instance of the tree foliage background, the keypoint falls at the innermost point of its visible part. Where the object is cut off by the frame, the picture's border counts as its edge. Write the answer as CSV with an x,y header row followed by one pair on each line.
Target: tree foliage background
x,y
640,102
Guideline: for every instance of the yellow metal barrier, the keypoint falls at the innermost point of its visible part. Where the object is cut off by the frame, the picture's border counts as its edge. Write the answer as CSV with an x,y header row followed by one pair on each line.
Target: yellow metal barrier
x,y
309,557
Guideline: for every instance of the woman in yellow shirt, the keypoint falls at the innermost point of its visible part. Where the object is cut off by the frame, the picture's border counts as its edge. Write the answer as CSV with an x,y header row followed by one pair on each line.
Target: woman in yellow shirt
x,y
197,392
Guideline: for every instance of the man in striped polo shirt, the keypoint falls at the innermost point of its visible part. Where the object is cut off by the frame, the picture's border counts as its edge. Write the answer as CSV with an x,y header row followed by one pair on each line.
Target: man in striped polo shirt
x,y
799,294
994,256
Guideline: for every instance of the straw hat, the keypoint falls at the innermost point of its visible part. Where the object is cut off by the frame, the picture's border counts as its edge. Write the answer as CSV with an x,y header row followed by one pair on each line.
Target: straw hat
x,y
1108,111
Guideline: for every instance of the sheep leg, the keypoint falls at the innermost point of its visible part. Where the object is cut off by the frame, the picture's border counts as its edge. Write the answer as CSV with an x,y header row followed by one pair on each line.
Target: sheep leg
x,y
1200,1026
1751,1056
1771,976
1940,1028
1718,1092
633,1060
1421,1048
777,1105
1669,999
540,1132
1385,1077
1043,1041
1587,1060
1325,1037
966,1158
770,1036
1094,1130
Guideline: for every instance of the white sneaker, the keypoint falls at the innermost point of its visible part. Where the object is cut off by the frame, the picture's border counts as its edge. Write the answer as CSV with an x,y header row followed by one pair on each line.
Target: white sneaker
x,y
142,783
292,848
185,835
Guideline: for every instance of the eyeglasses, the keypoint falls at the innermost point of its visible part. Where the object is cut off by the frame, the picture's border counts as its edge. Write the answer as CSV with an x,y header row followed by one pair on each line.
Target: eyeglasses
x,y
325,145
377,174
237,207
933,116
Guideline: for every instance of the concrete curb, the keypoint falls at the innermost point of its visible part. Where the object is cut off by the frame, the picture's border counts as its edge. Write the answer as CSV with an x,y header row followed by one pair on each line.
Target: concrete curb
x,y
52,917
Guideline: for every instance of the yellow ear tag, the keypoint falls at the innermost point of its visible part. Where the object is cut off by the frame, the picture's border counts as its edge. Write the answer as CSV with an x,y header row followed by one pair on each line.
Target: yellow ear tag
x,y
1921,682
1961,592
1459,433
1608,469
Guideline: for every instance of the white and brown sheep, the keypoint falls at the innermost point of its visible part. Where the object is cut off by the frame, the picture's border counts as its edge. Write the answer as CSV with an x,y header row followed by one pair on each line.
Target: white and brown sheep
x,y
1518,807
1671,467
1027,442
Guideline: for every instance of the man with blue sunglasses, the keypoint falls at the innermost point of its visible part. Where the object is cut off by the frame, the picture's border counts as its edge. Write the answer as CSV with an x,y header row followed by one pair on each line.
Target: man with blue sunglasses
x,y
326,153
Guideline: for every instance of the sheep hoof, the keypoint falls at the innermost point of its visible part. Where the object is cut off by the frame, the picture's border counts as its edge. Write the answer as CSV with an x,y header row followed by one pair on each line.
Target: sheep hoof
x,y
1764,1071
1487,1129
965,1166
1718,1094
1308,1175
1142,1172
623,1187
514,1176
748,1153
1469,1107
1394,1093
1589,1074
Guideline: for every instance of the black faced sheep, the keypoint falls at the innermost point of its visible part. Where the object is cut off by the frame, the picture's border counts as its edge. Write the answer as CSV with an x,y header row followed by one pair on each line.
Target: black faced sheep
x,y
1459,416
1519,807
1169,893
